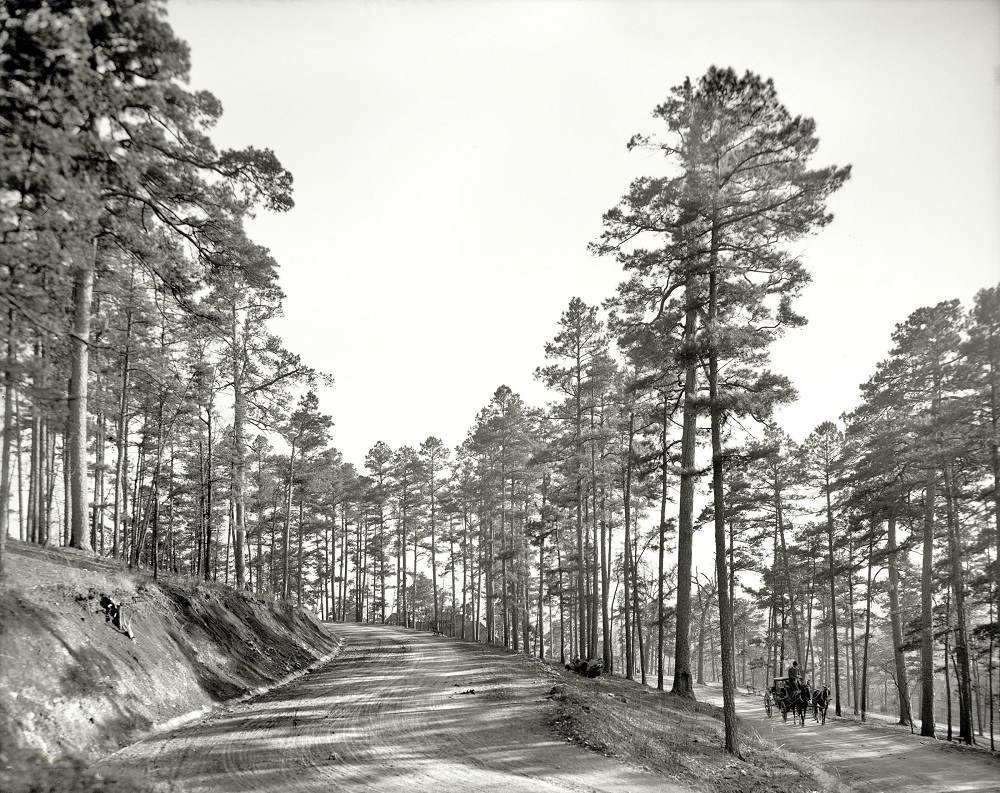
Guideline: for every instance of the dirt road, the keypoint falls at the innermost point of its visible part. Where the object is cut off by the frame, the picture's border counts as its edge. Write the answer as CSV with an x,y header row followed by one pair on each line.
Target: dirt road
x,y
397,710
872,758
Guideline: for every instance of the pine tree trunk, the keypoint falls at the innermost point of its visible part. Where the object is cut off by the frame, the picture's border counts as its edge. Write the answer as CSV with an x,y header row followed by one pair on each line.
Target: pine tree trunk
x,y
779,518
286,528
8,432
240,449
635,604
83,291
171,537
466,554
67,504
35,460
18,456
97,515
401,559
209,510
272,562
963,674
121,445
627,573
926,610
662,541
490,592
810,663
608,657
434,589
682,685
868,627
947,657
902,686
298,562
833,593
160,447
358,566
581,647
335,564
541,571
562,603
718,488
850,622
259,512
701,639
595,593
100,439
847,662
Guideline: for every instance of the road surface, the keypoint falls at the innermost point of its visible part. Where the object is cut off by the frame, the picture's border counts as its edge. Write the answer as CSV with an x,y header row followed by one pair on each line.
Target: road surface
x,y
874,758
397,710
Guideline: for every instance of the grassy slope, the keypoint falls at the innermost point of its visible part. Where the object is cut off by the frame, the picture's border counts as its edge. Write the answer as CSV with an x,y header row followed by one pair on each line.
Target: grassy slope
x,y
73,688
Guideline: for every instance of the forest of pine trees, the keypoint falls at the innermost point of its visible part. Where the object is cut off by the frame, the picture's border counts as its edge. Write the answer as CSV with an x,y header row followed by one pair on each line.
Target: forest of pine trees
x,y
150,415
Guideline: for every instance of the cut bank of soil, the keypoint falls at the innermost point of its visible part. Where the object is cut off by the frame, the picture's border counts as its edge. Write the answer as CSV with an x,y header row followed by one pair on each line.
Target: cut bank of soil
x,y
74,688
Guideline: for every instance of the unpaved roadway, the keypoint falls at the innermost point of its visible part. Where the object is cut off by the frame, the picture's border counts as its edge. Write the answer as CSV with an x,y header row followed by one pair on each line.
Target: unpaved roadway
x,y
871,758
401,710
397,710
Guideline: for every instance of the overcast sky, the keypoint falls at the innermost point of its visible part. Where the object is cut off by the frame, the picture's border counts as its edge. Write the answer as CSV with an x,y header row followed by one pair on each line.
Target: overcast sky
x,y
452,160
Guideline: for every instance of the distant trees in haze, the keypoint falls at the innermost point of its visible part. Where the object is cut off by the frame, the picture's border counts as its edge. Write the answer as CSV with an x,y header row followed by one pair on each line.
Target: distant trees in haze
x,y
152,416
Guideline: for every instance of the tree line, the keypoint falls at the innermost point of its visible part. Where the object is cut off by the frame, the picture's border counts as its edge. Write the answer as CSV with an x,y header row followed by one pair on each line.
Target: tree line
x,y
151,416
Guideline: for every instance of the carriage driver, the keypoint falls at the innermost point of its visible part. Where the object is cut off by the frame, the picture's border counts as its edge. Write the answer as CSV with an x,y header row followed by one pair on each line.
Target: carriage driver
x,y
794,674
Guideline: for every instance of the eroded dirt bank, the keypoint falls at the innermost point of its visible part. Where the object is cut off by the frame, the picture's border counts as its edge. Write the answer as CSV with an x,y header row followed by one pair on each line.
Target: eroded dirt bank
x,y
74,687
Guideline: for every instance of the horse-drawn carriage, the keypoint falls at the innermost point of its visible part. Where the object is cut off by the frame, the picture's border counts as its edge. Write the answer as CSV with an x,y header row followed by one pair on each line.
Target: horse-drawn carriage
x,y
788,697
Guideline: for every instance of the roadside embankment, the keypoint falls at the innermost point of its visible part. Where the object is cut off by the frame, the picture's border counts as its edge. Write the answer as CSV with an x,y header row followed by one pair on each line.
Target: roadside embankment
x,y
73,686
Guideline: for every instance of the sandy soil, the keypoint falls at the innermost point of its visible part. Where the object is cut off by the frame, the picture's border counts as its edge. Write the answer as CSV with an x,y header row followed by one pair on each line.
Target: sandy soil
x,y
872,757
397,710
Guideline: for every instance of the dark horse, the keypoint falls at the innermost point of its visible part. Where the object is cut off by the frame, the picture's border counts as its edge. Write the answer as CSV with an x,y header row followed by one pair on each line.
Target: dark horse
x,y
797,701
820,703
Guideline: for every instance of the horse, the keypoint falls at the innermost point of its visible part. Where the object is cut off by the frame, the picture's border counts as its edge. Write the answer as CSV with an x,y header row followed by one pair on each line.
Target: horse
x,y
820,703
797,701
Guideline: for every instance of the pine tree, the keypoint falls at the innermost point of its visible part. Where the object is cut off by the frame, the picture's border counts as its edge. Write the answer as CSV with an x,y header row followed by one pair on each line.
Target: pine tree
x,y
744,191
306,431
434,456
575,347
919,380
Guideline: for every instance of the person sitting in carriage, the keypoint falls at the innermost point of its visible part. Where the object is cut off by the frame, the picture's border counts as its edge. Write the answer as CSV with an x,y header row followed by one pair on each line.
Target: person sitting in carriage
x,y
794,675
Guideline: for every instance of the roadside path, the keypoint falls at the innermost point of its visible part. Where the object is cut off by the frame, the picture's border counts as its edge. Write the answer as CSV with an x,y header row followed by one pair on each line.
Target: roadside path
x,y
396,711
871,758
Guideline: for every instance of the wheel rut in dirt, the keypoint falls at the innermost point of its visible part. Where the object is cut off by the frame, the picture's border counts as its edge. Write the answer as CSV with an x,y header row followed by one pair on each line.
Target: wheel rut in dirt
x,y
396,710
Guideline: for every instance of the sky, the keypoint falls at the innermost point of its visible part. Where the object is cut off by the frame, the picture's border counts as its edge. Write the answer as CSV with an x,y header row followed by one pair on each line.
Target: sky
x,y
452,160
